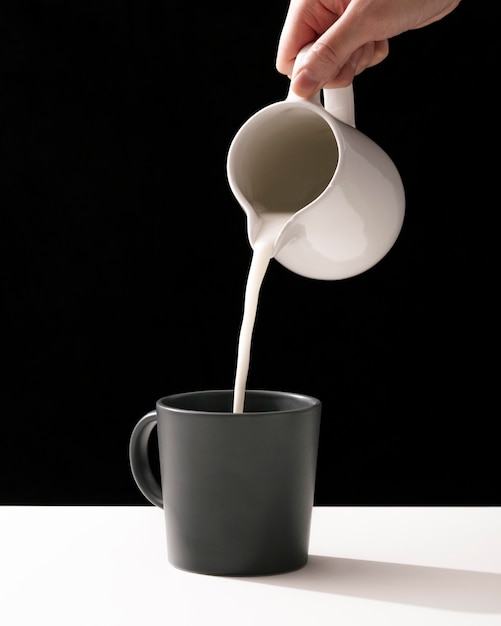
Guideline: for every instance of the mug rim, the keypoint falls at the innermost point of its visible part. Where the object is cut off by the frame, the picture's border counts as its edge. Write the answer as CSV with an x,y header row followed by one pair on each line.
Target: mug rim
x,y
305,401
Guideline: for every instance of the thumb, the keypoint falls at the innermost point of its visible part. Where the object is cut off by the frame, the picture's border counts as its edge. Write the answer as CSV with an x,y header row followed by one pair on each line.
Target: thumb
x,y
305,83
333,57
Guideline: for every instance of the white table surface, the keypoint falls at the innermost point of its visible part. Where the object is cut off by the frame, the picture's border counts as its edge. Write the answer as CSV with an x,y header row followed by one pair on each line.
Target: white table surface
x,y
107,566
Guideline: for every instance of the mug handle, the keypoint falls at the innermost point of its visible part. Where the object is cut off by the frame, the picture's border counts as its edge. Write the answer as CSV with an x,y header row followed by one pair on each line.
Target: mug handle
x,y
139,461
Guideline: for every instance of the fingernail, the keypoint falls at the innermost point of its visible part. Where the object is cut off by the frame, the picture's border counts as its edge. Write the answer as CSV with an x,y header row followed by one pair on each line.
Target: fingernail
x,y
305,84
355,59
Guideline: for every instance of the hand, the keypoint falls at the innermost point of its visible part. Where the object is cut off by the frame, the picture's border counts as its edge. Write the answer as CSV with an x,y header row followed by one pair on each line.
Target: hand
x,y
349,36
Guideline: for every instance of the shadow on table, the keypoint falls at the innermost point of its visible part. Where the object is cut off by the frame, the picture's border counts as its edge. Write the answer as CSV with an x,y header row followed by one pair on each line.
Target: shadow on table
x,y
433,587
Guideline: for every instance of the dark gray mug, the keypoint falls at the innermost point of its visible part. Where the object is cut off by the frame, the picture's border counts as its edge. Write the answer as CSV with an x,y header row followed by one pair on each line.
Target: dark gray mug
x,y
236,488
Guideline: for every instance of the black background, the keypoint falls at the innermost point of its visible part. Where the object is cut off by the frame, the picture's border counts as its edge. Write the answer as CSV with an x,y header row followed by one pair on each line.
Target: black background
x,y
124,254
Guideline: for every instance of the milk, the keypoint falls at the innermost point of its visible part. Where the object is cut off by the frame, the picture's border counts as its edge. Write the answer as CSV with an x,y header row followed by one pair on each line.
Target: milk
x,y
263,252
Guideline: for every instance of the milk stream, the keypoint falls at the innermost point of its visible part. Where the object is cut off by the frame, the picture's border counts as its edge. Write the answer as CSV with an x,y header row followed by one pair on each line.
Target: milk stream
x,y
263,250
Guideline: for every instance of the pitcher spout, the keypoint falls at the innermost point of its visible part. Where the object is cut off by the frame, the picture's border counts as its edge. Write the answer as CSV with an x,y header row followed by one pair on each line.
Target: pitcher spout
x,y
268,226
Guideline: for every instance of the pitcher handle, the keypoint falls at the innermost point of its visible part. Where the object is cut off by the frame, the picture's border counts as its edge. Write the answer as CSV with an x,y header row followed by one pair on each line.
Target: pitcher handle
x,y
339,102
139,461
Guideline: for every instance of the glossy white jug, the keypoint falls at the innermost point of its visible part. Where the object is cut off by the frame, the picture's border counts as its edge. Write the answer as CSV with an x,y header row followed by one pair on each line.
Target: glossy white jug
x,y
343,194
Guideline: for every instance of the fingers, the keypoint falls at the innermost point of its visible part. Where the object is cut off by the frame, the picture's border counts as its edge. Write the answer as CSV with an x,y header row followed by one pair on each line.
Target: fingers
x,y
349,36
344,49
373,53
296,33
320,67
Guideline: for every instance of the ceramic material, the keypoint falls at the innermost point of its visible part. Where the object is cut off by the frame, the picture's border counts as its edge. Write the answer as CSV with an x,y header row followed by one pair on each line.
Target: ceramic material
x,y
236,488
342,192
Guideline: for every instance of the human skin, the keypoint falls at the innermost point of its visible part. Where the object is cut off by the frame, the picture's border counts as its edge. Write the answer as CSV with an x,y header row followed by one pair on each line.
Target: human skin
x,y
347,37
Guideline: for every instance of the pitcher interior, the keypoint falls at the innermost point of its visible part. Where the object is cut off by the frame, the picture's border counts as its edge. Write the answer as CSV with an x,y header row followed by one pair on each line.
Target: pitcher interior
x,y
288,158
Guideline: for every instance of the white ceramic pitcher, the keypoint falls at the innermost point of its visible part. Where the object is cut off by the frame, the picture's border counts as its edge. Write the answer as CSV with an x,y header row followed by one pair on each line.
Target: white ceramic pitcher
x,y
343,194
